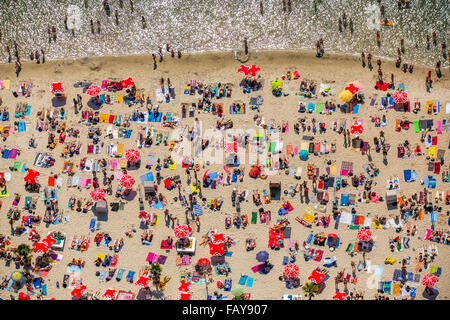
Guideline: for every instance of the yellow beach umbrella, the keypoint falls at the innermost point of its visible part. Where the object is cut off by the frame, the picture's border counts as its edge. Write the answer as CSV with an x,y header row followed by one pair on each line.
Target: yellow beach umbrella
x,y
276,83
346,96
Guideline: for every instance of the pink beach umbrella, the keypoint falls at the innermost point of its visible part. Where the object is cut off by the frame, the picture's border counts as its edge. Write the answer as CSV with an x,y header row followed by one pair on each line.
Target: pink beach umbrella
x,y
291,271
142,282
57,87
400,97
429,280
93,90
364,234
97,194
182,231
127,181
132,155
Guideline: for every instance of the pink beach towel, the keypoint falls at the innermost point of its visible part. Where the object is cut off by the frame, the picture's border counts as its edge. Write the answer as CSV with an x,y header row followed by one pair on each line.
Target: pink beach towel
x,y
439,127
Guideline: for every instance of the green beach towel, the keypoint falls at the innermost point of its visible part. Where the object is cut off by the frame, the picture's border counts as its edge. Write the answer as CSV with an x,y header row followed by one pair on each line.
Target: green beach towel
x,y
319,107
254,217
416,126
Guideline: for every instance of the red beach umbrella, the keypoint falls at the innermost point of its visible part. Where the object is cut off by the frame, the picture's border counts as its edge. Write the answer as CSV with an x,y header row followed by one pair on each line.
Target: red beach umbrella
x,y
78,291
49,241
218,238
291,271
316,277
400,97
93,90
127,181
142,282
127,82
217,249
182,231
364,234
57,87
185,296
40,247
143,215
339,296
185,286
97,194
132,155
429,280
110,293
243,69
31,176
254,70
23,296
203,261
351,87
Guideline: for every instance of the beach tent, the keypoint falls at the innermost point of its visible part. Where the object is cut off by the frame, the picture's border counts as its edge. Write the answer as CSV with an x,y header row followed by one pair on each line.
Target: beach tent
x,y
303,155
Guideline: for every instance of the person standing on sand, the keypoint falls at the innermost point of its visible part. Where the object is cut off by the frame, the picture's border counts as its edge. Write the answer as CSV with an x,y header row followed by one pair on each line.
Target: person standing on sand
x,y
289,6
402,45
43,56
369,61
392,85
340,24
116,13
428,42
434,38
378,39
245,46
154,61
86,4
160,54
9,53
92,26
98,26
261,8
438,69
179,53
65,23
121,4
444,50
18,67
132,6
37,56
144,23
350,24
363,59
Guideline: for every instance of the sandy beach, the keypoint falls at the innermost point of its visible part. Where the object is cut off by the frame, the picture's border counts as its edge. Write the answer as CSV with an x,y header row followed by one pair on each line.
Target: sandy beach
x,y
212,68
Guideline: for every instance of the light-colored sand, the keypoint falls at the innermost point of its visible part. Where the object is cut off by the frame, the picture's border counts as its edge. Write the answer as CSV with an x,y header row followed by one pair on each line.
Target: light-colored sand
x,y
213,68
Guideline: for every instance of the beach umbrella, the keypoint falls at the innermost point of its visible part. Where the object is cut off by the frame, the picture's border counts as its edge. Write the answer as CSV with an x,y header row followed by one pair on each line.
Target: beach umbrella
x,y
143,215
429,280
97,194
243,69
291,271
352,88
358,129
127,181
132,155
237,290
39,246
262,256
31,176
185,286
316,277
254,70
400,97
110,293
127,82
185,296
339,296
57,87
217,249
142,282
203,261
182,231
346,95
16,276
218,238
49,241
23,296
93,90
276,83
78,291
364,234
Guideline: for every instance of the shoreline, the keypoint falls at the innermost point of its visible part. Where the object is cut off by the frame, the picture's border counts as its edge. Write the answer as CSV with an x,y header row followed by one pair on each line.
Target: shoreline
x,y
306,52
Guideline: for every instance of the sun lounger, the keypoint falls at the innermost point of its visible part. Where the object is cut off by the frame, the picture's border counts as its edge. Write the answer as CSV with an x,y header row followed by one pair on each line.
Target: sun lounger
x,y
120,274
